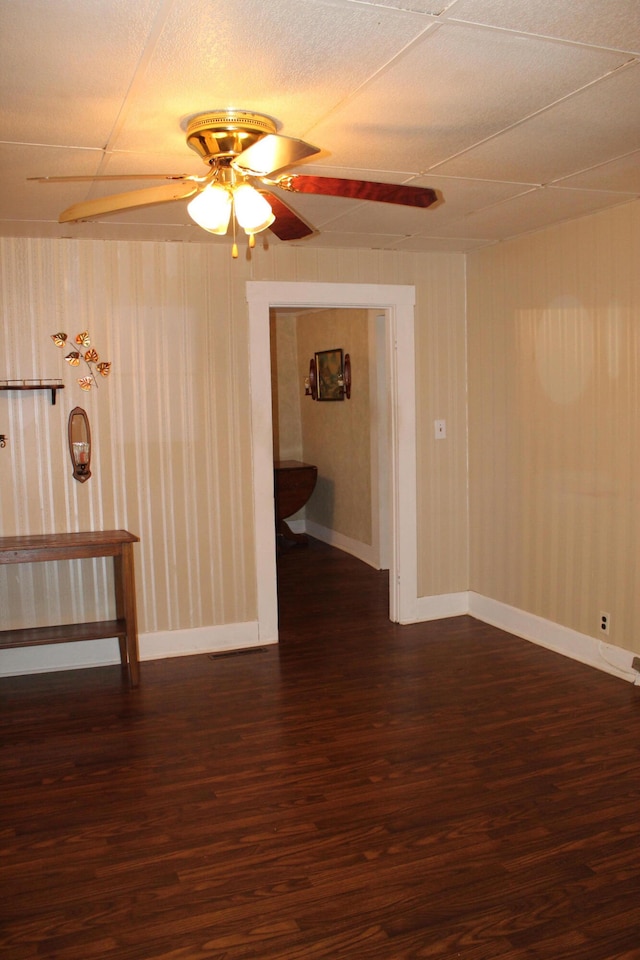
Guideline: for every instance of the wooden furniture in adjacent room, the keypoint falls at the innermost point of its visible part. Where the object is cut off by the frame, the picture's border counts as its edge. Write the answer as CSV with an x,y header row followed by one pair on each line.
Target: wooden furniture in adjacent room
x,y
294,483
78,546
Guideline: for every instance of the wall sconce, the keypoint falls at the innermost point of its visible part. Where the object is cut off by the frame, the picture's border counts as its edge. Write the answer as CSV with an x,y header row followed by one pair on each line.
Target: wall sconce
x,y
80,444
311,382
346,376
3,440
343,381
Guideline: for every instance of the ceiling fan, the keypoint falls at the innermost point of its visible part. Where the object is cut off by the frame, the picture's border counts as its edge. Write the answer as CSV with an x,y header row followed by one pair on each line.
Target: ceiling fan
x,y
246,159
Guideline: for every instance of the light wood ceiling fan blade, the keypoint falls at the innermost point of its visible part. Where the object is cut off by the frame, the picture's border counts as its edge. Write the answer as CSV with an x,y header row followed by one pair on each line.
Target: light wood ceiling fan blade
x,y
272,153
114,176
360,190
287,225
126,201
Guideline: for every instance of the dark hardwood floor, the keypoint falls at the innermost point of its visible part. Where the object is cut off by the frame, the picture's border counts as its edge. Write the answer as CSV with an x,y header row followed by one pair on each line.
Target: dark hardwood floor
x,y
363,791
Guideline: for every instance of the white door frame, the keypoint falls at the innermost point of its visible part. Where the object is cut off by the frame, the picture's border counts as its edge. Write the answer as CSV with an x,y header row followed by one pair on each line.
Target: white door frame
x,y
398,301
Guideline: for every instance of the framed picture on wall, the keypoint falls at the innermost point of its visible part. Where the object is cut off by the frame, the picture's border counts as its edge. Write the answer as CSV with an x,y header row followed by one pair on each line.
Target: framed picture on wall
x,y
329,372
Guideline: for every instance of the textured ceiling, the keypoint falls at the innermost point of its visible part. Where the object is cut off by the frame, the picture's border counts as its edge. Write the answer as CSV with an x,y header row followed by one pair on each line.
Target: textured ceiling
x,y
519,114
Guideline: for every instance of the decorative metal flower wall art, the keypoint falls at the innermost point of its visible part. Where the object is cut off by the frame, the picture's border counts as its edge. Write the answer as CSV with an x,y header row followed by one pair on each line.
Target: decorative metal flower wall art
x,y
85,353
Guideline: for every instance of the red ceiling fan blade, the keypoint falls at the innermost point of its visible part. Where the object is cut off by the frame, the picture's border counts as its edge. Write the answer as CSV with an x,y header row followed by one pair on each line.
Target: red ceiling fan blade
x,y
287,225
360,190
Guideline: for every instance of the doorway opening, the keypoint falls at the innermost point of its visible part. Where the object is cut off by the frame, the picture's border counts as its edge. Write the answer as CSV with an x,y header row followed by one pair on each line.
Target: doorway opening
x,y
345,445
397,302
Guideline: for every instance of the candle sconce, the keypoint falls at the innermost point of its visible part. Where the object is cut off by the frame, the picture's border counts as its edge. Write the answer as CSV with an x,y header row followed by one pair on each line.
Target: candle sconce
x,y
80,444
346,376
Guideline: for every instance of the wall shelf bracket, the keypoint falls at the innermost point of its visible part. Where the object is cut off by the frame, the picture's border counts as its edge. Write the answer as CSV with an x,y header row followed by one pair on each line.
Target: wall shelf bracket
x,y
53,385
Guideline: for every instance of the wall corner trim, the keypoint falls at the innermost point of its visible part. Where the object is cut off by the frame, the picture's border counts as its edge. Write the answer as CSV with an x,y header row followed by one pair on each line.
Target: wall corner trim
x,y
440,606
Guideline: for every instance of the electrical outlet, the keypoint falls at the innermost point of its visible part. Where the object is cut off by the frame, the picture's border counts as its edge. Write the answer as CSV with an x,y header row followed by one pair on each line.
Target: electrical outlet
x,y
605,622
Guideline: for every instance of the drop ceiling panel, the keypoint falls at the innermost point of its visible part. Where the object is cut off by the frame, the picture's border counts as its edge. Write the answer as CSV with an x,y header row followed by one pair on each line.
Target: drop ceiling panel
x,y
65,68
582,131
622,174
440,244
543,207
185,162
433,7
25,200
345,239
602,23
290,60
431,103
117,230
384,241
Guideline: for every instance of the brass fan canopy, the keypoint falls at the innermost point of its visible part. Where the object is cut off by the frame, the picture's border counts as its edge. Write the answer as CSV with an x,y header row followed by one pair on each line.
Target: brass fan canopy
x,y
226,133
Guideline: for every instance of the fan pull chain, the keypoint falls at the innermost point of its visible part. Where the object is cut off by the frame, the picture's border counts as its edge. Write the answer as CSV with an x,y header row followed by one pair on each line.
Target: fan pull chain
x,y
234,248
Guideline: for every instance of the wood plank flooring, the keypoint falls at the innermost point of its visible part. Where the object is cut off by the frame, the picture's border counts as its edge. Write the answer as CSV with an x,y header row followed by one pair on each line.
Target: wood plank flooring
x,y
363,791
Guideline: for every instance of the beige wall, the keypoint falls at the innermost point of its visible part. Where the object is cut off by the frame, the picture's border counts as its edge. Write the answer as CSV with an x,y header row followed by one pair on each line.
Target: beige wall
x,y
336,435
553,410
286,383
554,346
171,426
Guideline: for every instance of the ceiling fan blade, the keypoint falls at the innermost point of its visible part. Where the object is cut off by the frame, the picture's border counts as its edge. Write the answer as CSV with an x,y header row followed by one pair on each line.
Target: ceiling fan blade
x,y
287,225
114,176
272,153
360,190
126,201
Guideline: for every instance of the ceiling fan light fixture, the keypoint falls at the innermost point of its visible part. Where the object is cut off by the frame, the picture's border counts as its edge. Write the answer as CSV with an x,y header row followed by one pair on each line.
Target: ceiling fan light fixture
x,y
211,208
253,212
240,148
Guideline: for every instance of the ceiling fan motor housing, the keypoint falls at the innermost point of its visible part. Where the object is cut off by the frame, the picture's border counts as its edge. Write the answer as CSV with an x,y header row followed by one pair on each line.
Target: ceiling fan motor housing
x,y
226,133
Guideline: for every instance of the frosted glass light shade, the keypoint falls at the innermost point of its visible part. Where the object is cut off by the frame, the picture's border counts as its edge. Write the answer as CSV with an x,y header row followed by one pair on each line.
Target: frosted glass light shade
x,y
211,208
253,212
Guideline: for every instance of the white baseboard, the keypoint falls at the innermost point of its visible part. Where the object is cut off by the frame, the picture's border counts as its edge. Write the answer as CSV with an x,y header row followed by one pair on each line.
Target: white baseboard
x,y
153,646
578,646
591,651
441,606
184,643
362,551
